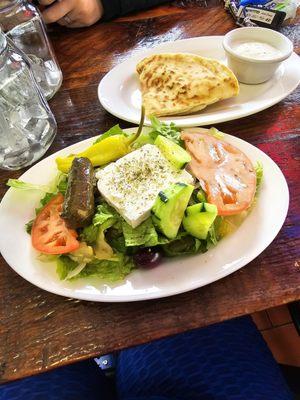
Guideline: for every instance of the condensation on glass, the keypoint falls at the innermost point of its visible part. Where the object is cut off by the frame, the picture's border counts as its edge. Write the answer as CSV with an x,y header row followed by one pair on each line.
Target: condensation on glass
x,y
22,22
27,125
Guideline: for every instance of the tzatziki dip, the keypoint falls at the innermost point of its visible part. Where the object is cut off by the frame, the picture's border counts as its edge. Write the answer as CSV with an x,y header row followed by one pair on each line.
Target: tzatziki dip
x,y
257,50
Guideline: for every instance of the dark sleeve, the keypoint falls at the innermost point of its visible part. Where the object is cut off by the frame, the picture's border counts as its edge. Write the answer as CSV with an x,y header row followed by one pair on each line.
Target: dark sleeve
x,y
117,8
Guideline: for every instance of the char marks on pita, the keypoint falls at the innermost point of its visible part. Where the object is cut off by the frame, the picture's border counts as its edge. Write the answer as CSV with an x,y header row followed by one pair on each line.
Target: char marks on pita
x,y
182,83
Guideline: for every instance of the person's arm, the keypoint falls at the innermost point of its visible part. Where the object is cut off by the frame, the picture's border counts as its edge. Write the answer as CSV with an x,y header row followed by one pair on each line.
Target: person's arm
x,y
117,8
80,13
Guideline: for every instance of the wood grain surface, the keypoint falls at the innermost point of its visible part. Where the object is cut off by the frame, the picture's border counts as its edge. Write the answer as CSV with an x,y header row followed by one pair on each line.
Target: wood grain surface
x,y
40,331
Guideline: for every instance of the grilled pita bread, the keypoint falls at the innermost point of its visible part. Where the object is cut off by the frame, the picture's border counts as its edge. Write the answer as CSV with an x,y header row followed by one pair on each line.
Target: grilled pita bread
x,y
182,83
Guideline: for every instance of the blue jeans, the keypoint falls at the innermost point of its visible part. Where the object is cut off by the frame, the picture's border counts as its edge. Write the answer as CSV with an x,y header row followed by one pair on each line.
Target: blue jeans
x,y
227,361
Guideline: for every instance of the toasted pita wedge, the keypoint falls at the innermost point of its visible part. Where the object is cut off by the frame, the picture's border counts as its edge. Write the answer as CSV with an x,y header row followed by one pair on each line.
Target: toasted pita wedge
x,y
182,83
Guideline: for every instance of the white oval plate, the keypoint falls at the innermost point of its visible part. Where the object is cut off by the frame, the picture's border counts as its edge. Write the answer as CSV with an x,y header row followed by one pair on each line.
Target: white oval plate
x,y
173,276
119,90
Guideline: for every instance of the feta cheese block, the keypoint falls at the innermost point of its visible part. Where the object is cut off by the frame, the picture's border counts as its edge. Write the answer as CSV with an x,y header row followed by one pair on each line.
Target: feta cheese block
x,y
132,183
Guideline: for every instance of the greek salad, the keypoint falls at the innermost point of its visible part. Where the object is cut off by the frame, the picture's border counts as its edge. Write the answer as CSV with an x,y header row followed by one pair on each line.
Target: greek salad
x,y
132,199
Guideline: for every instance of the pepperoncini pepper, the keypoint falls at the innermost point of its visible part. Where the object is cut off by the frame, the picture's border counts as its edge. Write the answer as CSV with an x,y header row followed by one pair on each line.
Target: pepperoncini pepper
x,y
107,150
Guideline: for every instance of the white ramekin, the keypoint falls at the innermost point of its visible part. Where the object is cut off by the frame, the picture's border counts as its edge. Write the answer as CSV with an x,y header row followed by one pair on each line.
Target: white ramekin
x,y
249,70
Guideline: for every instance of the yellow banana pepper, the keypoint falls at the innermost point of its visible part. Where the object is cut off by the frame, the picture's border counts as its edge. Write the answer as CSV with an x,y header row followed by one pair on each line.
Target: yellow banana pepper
x,y
109,149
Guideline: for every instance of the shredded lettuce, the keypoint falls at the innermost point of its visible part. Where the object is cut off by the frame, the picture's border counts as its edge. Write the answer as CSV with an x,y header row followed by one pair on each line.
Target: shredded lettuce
x,y
114,236
143,235
144,138
198,196
149,134
102,249
201,196
59,184
117,243
115,130
212,238
127,242
94,234
108,270
18,184
104,213
216,133
83,254
28,226
259,175
227,225
170,131
89,234
104,218
46,258
64,265
44,200
62,183
184,244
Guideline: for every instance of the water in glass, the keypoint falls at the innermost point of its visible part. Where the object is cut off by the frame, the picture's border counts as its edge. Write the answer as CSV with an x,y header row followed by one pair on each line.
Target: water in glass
x,y
22,23
27,126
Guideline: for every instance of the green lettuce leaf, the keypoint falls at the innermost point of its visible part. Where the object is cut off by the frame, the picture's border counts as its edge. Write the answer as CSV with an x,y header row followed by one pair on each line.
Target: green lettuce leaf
x,y
104,212
144,138
89,234
115,130
58,184
216,133
62,184
143,235
115,238
108,270
170,131
64,265
102,249
212,238
28,226
183,245
198,196
83,254
117,244
47,258
18,184
44,200
259,175
104,218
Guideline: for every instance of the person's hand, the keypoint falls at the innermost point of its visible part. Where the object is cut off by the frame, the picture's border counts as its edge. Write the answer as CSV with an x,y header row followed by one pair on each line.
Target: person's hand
x,y
72,13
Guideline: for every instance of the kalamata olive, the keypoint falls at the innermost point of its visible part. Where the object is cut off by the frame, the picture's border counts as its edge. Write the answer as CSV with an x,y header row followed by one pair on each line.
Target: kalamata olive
x,y
147,258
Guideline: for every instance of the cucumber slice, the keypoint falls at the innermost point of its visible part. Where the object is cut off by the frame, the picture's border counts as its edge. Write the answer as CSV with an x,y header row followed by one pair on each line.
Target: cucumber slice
x,y
194,209
169,207
199,218
175,154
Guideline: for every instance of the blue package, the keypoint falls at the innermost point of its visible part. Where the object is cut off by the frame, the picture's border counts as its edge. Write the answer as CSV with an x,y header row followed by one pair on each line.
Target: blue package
x,y
253,2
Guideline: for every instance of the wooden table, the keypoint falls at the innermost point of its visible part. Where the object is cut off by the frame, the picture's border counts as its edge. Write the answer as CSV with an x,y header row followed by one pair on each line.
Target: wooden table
x,y
39,330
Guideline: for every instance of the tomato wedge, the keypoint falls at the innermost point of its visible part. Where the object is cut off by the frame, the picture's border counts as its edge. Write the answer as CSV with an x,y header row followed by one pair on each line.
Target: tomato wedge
x,y
49,232
225,173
